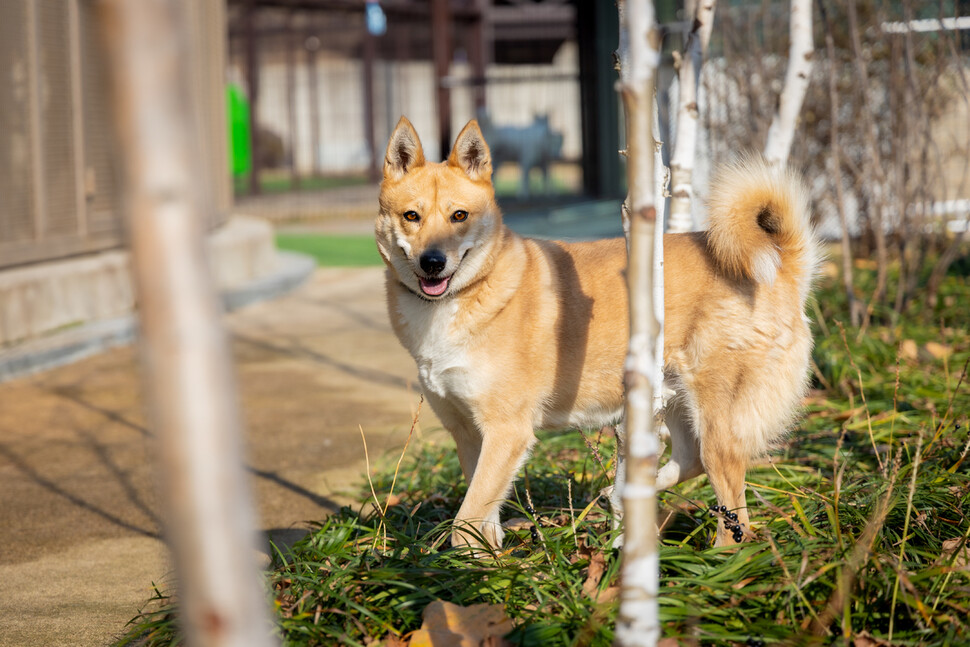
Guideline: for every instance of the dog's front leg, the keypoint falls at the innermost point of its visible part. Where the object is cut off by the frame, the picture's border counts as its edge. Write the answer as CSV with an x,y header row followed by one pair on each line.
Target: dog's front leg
x,y
504,447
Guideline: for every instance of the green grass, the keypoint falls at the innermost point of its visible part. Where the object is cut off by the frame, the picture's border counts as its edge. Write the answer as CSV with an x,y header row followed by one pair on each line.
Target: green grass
x,y
860,524
280,181
333,251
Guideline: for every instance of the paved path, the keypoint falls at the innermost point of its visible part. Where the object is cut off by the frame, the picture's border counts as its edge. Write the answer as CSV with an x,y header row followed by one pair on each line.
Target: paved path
x,y
79,518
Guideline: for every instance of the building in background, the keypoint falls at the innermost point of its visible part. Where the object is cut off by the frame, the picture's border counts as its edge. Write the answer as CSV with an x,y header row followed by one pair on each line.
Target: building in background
x,y
326,90
62,232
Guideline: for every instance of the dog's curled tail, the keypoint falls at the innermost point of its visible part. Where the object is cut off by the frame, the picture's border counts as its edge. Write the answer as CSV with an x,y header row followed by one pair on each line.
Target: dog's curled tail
x,y
759,222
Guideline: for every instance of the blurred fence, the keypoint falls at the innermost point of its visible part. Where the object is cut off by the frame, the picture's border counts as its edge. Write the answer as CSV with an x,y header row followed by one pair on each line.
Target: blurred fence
x,y
58,168
328,92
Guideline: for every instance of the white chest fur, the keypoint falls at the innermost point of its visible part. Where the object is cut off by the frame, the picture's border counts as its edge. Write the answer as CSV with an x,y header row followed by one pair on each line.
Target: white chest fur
x,y
438,347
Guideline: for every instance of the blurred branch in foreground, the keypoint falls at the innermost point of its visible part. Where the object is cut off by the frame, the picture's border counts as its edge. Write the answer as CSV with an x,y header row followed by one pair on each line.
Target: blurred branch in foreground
x,y
186,356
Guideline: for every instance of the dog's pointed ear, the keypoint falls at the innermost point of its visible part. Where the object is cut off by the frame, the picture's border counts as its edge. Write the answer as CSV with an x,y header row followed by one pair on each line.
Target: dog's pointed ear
x,y
404,150
471,153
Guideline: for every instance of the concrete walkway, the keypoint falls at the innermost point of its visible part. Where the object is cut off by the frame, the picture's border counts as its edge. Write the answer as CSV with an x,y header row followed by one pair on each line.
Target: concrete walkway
x,y
80,533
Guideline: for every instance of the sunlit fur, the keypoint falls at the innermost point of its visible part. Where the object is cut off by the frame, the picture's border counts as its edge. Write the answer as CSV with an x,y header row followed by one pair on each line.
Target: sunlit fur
x,y
533,334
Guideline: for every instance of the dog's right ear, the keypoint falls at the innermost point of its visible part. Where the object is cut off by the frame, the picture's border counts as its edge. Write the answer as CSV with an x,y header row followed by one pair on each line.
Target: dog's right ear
x,y
404,151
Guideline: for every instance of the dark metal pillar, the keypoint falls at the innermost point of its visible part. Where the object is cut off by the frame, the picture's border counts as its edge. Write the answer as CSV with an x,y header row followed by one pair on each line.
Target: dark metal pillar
x,y
441,45
312,45
598,33
252,80
369,47
478,55
291,43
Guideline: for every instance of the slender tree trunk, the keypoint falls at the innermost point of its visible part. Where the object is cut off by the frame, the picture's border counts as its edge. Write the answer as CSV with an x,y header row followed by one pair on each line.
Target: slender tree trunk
x,y
661,179
855,307
210,521
638,622
685,140
291,118
782,129
875,169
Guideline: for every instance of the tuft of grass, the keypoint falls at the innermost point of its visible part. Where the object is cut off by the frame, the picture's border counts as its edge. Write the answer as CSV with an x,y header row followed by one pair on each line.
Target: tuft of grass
x,y
860,525
333,250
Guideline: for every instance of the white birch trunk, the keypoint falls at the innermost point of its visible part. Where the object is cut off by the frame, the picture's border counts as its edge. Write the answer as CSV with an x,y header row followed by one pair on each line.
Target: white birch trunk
x,y
685,140
661,177
782,129
638,622
210,522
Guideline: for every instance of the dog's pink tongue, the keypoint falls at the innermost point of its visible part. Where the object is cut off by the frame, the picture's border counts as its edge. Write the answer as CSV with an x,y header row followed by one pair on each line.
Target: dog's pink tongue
x,y
434,287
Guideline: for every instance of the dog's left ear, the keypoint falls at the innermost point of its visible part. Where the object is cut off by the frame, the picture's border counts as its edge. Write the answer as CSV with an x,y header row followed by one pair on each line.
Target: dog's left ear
x,y
471,154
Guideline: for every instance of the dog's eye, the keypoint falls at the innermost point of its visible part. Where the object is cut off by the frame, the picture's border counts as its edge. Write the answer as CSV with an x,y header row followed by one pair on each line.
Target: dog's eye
x,y
411,216
459,215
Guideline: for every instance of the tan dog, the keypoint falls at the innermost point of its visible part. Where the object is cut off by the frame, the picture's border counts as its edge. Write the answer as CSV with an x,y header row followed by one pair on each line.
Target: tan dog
x,y
511,334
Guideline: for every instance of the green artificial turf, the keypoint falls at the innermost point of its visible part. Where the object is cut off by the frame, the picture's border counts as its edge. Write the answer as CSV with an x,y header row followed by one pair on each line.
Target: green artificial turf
x,y
333,251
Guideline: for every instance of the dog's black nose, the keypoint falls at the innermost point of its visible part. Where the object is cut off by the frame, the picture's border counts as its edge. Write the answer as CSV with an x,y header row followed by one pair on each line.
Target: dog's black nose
x,y
432,262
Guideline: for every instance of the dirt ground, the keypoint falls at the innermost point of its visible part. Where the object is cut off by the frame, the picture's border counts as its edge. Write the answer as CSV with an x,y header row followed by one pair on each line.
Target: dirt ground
x,y
80,535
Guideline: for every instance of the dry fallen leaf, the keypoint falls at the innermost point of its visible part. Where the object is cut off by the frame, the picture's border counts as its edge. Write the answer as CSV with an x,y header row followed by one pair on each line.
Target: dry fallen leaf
x,y
950,546
865,639
597,566
937,350
908,350
607,595
517,523
390,640
450,625
740,584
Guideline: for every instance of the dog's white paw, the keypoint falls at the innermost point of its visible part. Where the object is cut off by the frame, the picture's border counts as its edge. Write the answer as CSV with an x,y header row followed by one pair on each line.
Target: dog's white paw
x,y
471,535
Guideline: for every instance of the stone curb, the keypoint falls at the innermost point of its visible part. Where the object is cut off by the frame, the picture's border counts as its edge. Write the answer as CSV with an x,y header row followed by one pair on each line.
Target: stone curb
x,y
70,345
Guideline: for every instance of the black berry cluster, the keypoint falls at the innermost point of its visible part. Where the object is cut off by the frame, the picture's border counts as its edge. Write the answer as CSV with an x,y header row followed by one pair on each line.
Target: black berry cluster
x,y
730,521
536,538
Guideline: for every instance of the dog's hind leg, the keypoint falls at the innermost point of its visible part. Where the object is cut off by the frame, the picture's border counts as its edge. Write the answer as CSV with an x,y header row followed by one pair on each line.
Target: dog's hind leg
x,y
685,453
615,491
726,463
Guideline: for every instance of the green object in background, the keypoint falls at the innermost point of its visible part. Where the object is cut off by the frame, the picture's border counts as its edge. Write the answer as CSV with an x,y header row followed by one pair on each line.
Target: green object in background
x,y
240,152
333,251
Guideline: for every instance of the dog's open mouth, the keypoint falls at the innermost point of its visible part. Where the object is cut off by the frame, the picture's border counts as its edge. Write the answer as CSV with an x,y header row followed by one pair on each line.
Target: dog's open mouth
x,y
434,287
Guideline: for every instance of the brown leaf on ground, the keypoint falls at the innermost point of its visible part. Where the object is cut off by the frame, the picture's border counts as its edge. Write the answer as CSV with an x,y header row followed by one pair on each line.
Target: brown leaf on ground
x,y
936,350
597,566
450,625
674,642
908,350
740,584
607,595
950,546
517,523
865,639
848,413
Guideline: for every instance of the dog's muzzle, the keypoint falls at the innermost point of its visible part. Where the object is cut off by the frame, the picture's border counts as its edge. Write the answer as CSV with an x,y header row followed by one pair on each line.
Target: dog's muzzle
x,y
432,263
